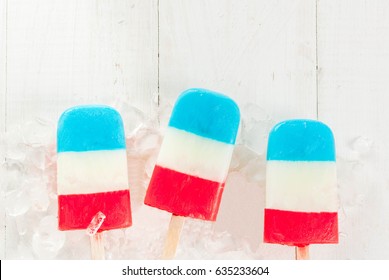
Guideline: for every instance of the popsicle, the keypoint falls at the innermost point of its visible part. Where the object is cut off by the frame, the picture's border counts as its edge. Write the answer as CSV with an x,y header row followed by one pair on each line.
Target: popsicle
x,y
192,166
301,190
92,169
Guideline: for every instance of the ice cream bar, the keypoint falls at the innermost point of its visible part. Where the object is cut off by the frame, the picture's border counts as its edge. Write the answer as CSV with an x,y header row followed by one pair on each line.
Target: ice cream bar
x,y
301,192
92,168
192,166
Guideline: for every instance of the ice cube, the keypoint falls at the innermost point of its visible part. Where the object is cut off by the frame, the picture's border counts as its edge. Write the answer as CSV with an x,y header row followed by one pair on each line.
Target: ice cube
x,y
256,125
47,240
133,118
114,239
17,202
256,138
38,193
254,113
21,252
37,133
21,224
148,234
15,153
362,145
147,141
14,177
241,156
36,158
95,224
255,170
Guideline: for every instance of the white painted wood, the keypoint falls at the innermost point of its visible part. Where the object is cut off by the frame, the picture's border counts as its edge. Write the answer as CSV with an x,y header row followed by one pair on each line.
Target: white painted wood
x,y
255,51
260,53
3,40
65,53
353,51
3,43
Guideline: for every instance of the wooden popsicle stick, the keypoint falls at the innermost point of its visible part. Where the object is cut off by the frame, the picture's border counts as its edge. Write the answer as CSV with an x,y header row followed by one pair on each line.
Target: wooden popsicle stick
x,y
97,246
302,253
173,237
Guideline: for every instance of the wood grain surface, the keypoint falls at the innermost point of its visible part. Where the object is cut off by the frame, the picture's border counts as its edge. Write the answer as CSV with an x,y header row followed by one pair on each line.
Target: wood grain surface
x,y
3,89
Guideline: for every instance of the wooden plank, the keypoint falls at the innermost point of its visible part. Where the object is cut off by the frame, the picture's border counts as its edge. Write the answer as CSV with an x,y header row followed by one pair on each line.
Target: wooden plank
x,y
3,84
255,51
263,55
64,53
353,52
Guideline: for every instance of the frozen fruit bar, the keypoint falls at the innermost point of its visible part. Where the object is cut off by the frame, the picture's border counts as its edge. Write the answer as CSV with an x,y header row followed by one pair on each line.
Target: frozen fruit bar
x,y
301,191
92,168
195,155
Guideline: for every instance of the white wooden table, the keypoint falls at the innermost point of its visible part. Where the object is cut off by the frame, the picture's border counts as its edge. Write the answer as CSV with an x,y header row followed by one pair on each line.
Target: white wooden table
x,y
323,59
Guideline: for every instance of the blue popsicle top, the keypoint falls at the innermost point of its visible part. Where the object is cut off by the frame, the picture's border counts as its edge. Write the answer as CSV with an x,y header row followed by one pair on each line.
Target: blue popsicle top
x,y
301,140
207,114
90,128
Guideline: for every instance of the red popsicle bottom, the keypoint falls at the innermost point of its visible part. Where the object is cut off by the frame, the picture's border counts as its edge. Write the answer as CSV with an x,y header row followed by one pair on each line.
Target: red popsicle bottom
x,y
76,211
300,228
184,195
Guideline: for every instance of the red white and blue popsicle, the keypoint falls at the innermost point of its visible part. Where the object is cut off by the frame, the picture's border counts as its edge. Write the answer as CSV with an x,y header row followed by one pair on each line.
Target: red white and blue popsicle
x,y
301,189
92,169
190,173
